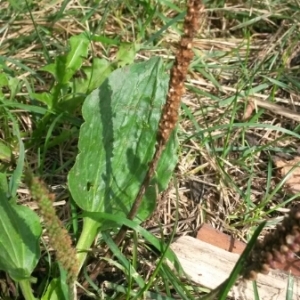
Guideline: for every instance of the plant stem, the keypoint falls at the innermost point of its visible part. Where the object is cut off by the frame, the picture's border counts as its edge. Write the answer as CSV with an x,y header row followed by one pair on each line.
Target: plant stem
x,y
26,289
87,236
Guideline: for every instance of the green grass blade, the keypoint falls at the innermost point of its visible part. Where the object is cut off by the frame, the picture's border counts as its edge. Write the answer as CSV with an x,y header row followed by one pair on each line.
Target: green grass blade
x,y
237,270
290,288
18,172
130,271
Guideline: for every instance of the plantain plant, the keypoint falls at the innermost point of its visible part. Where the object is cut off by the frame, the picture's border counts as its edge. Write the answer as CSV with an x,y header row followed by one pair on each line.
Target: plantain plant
x,y
116,143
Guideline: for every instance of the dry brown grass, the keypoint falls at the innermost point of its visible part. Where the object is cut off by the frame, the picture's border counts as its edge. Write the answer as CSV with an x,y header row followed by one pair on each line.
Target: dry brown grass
x,y
238,192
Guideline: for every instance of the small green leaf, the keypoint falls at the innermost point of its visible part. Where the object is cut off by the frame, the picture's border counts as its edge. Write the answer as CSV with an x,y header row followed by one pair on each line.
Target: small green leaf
x,y
126,54
79,49
50,68
14,86
105,40
3,184
3,80
95,75
64,287
67,65
17,173
44,97
117,142
20,231
80,87
54,291
5,152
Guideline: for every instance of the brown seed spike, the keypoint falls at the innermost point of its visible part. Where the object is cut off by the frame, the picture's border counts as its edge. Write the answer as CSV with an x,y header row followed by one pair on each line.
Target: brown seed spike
x,y
180,69
277,246
265,269
268,256
295,248
252,275
290,239
284,249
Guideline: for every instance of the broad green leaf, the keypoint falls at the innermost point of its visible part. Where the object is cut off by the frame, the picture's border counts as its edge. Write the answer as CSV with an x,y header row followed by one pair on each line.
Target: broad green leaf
x,y
117,142
20,231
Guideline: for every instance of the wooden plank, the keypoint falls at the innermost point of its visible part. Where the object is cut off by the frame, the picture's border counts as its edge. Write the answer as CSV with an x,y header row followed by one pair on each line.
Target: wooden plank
x,y
209,266
224,241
